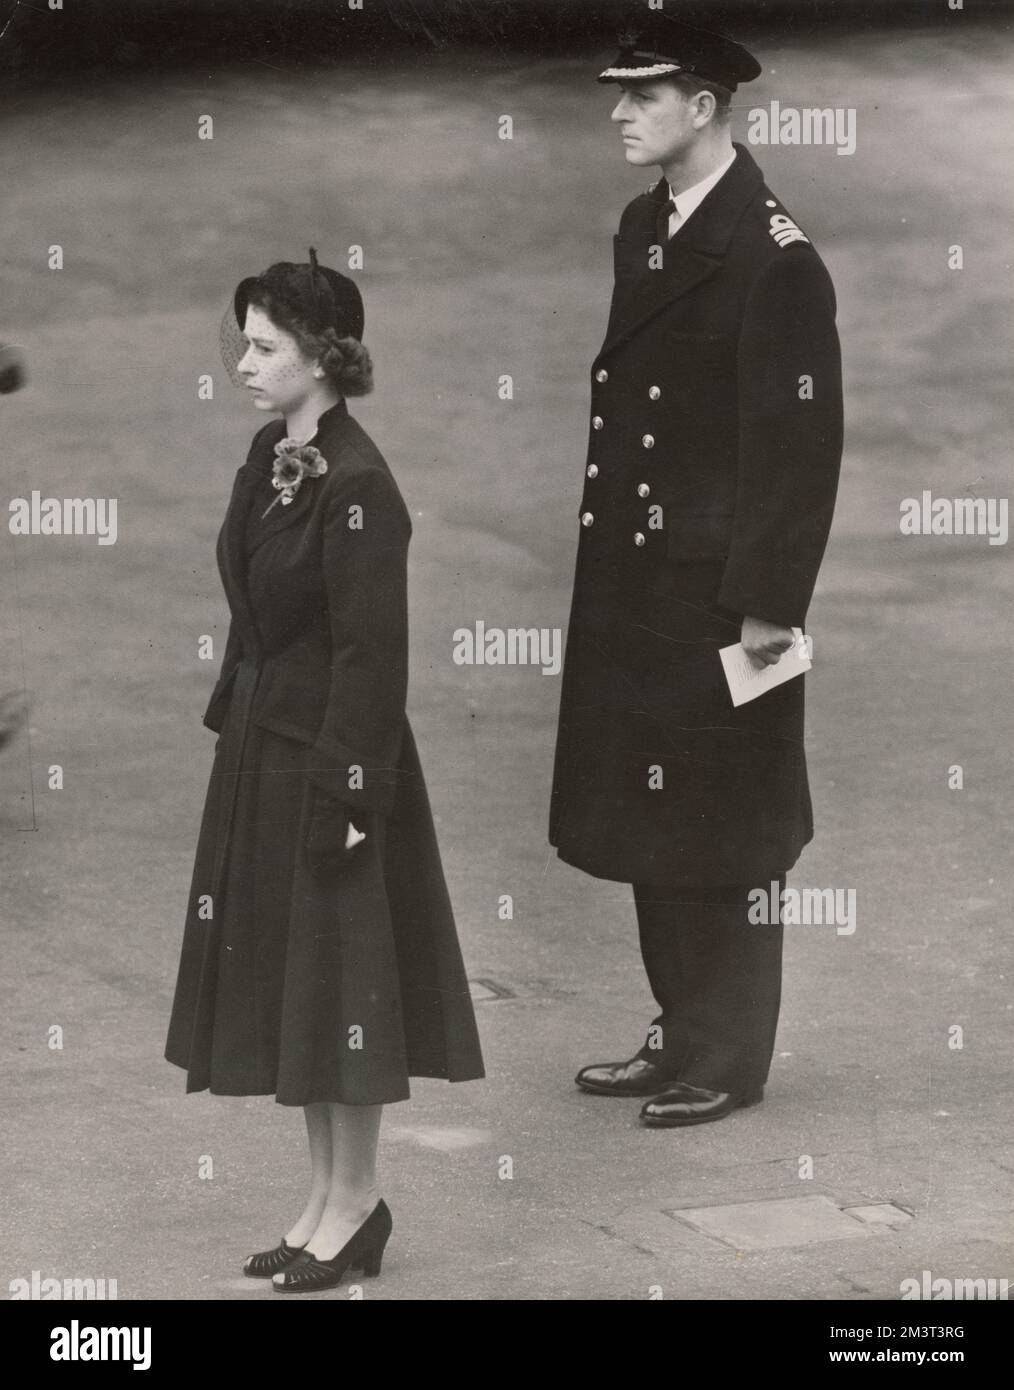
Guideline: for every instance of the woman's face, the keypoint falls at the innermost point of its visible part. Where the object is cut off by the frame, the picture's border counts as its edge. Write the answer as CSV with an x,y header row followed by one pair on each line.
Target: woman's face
x,y
274,368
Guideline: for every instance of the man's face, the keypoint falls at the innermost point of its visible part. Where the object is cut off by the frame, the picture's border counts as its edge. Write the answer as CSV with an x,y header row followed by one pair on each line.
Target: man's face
x,y
656,121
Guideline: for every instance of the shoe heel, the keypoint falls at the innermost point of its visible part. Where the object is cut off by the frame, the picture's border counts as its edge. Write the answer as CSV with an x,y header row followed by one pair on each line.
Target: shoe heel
x,y
374,1240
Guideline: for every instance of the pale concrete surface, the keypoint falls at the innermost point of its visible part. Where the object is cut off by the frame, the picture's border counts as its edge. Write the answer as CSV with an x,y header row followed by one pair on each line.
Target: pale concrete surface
x,y
912,674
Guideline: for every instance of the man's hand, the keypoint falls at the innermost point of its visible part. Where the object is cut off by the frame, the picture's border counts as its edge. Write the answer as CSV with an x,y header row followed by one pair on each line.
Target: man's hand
x,y
765,642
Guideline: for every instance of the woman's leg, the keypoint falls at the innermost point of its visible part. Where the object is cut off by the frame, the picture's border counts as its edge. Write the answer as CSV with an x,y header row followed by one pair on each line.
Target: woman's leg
x,y
318,1131
353,1193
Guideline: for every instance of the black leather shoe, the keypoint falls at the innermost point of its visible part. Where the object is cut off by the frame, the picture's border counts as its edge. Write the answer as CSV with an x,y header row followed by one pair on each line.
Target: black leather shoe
x,y
364,1251
270,1262
683,1104
637,1077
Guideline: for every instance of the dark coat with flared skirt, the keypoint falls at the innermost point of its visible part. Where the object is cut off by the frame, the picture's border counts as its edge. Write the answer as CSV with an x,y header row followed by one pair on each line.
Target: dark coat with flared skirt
x,y
333,985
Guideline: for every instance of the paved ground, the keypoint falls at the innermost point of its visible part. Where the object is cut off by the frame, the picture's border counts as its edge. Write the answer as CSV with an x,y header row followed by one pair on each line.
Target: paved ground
x,y
484,257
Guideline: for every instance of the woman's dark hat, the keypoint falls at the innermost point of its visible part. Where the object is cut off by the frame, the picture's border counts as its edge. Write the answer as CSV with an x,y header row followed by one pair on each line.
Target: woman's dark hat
x,y
663,46
335,299
326,299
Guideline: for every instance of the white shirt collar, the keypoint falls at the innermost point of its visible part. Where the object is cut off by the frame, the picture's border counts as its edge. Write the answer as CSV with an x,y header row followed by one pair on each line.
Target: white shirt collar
x,y
690,200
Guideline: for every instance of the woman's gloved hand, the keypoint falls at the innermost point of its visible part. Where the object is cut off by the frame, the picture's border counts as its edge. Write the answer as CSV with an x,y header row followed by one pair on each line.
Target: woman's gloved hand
x,y
334,837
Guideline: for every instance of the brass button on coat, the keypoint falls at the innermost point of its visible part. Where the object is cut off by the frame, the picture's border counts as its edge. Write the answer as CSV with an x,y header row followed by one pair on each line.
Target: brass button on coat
x,y
597,422
643,490
639,538
592,470
602,375
654,393
648,441
587,519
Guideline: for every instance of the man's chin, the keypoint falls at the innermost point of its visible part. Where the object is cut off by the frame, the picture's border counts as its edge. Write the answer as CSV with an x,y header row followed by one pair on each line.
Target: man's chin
x,y
633,154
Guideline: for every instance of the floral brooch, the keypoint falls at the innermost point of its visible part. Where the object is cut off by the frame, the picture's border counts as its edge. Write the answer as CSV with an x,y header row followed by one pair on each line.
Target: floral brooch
x,y
294,462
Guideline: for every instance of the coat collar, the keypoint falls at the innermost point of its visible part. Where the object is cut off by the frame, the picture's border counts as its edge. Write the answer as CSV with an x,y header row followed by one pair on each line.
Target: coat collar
x,y
693,255
709,230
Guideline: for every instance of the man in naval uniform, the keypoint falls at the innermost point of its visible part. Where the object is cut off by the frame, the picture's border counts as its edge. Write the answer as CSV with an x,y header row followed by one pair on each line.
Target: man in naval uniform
x,y
714,450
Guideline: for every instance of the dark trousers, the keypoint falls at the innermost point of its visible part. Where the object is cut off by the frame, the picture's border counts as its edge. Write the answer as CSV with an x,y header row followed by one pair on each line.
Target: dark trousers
x,y
717,979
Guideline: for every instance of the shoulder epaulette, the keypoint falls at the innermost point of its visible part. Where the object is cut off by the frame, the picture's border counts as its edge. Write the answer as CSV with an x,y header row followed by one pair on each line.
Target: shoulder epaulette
x,y
782,228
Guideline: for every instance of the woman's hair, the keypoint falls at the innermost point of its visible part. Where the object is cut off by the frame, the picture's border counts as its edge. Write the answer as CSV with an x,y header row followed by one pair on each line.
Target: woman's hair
x,y
300,299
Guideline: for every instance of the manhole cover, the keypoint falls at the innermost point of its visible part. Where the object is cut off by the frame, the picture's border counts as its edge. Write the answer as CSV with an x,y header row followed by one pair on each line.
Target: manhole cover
x,y
880,1214
767,1225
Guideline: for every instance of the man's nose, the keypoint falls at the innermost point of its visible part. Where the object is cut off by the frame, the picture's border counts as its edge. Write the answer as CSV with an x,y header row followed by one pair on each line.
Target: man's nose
x,y
619,111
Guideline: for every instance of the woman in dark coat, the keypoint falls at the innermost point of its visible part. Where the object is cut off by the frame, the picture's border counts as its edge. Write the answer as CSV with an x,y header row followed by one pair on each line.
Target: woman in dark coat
x,y
320,961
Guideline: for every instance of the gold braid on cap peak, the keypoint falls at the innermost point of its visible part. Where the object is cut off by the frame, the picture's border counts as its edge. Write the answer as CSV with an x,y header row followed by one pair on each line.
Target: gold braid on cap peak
x,y
656,70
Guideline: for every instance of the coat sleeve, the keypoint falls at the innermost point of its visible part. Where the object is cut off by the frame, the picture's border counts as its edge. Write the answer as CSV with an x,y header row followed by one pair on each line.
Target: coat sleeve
x,y
355,756
790,440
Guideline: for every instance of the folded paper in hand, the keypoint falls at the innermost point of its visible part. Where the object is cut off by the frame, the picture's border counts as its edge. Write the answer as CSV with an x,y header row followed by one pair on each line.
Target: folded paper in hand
x,y
746,682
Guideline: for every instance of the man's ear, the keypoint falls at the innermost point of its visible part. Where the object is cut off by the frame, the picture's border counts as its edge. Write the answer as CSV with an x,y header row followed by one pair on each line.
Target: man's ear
x,y
706,106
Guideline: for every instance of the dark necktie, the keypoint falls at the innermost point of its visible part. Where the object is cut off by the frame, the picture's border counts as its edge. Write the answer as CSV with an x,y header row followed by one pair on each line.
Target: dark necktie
x,y
662,222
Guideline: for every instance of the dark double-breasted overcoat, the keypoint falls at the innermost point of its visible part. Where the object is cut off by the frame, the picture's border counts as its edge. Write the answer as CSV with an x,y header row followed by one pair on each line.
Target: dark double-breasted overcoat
x,y
714,451
332,985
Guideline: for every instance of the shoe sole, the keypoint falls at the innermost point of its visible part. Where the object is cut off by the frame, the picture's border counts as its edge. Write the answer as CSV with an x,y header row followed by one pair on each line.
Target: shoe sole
x,y
347,1275
612,1091
320,1288
594,1090
657,1122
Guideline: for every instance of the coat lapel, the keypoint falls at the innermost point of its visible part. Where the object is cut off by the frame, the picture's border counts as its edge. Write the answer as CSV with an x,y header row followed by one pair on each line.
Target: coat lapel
x,y
695,253
281,516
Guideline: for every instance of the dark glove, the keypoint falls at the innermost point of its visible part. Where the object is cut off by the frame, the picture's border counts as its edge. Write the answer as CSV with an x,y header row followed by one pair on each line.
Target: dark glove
x,y
329,828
